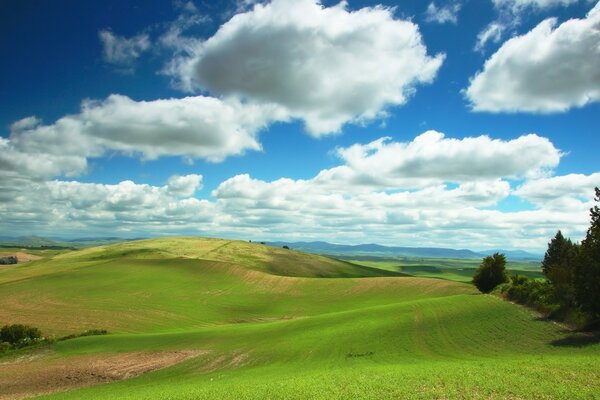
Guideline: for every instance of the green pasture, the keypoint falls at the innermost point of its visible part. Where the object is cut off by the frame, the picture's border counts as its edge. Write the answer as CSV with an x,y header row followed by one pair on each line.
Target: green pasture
x,y
278,324
459,270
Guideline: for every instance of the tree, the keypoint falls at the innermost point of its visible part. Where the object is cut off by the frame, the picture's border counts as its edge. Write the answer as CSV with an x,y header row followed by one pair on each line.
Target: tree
x,y
491,273
558,266
560,251
587,265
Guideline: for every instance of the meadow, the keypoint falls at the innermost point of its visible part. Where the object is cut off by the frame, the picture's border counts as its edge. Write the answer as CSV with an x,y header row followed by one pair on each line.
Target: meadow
x,y
455,269
249,321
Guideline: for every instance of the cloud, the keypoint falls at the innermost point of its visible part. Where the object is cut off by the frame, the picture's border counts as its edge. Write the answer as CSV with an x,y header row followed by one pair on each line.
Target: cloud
x,y
517,6
100,208
195,127
510,13
433,158
184,186
558,190
436,215
325,65
549,69
386,192
493,32
122,51
443,14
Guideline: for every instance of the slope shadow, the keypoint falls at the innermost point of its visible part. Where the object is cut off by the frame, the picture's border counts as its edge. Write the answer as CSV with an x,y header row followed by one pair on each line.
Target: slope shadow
x,y
577,340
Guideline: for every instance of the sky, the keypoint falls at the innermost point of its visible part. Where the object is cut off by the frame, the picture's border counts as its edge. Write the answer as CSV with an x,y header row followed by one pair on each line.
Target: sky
x,y
460,123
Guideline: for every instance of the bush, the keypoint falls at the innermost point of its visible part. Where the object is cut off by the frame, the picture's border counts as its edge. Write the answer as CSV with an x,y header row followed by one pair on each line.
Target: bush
x,y
9,260
4,347
89,332
18,335
533,293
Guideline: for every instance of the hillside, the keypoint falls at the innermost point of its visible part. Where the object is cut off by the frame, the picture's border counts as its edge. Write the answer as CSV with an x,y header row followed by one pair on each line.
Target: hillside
x,y
244,320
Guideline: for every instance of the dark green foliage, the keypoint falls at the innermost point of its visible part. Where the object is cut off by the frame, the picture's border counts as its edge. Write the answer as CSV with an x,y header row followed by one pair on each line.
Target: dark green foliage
x,y
491,273
18,335
558,266
587,266
561,253
8,260
89,332
530,292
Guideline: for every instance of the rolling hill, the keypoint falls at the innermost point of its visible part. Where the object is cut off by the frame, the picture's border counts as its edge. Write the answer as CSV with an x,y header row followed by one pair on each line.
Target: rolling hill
x,y
246,321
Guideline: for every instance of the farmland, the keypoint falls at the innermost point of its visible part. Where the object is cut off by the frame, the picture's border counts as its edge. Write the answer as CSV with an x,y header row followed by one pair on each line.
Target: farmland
x,y
229,319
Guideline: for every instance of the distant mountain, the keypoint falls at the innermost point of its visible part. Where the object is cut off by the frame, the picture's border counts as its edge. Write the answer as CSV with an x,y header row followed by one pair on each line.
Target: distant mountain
x,y
514,254
373,249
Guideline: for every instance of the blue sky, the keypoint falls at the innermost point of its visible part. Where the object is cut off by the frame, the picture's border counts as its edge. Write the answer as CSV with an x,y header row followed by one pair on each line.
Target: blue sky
x,y
456,123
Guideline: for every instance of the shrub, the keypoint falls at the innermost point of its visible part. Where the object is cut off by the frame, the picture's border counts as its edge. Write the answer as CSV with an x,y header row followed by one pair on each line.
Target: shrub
x,y
89,332
9,260
18,334
4,347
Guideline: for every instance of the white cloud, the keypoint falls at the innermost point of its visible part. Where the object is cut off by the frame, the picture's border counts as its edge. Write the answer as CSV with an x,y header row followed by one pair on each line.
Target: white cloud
x,y
100,208
122,51
577,187
386,192
510,14
493,32
184,186
431,157
442,14
517,6
195,127
327,66
549,69
434,216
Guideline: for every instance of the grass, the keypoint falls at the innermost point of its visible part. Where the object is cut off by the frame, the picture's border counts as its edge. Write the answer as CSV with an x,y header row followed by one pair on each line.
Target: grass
x,y
459,270
266,335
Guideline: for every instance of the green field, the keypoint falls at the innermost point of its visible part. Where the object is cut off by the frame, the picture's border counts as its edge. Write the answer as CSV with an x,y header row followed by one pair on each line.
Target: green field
x,y
273,323
459,270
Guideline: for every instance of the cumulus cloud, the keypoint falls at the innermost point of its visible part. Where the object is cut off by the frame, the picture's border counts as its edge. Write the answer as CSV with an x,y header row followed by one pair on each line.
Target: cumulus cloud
x,y
442,14
412,193
122,51
325,65
552,68
572,187
83,207
510,14
195,127
437,215
184,185
432,157
385,191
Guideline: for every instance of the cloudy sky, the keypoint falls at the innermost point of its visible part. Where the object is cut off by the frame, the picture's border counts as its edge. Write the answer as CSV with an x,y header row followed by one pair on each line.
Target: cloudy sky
x,y
453,123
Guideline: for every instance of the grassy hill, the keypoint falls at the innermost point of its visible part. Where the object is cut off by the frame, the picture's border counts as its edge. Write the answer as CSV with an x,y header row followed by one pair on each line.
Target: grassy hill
x,y
264,322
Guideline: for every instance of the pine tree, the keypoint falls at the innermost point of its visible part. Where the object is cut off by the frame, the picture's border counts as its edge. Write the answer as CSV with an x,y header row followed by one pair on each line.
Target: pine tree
x,y
560,251
587,265
558,266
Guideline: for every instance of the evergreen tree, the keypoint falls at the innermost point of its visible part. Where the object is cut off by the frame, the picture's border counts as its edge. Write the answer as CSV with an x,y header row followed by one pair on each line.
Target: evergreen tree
x,y
558,266
560,251
491,273
587,265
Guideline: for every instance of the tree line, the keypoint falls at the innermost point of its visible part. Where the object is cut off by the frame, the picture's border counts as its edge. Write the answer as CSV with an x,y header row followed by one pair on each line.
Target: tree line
x,y
571,290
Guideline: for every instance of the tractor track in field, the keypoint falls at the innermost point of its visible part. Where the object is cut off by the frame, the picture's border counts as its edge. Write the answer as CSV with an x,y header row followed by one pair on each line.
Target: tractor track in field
x,y
34,376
